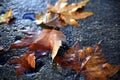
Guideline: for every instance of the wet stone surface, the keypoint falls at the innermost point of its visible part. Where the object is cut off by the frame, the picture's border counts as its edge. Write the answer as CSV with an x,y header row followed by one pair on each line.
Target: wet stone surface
x,y
103,25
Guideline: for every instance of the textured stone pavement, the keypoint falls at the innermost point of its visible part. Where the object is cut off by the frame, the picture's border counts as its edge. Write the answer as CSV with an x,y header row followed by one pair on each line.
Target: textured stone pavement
x,y
103,25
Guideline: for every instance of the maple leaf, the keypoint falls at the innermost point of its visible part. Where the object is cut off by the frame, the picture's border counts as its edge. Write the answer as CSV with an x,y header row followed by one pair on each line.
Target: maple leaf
x,y
5,18
48,40
97,67
69,12
68,60
26,41
24,63
62,6
49,20
89,61
60,15
41,41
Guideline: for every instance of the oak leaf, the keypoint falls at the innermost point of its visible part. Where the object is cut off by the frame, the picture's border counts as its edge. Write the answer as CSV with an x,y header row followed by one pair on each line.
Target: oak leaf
x,y
24,63
5,18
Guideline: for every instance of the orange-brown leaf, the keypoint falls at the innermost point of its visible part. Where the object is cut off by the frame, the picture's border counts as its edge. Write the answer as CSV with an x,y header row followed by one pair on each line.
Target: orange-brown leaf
x,y
62,6
97,68
89,61
78,15
45,40
48,40
24,63
69,12
25,42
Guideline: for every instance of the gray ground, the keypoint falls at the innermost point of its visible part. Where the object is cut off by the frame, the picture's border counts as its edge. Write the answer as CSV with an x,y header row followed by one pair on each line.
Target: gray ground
x,y
104,25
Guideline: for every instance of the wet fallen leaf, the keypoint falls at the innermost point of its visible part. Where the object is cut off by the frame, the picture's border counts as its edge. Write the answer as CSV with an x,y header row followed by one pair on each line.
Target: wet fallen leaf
x,y
89,61
48,40
24,63
26,41
99,69
5,18
41,41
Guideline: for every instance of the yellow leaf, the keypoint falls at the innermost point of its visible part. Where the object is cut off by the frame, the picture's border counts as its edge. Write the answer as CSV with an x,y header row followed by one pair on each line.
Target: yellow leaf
x,y
74,22
8,14
81,15
5,18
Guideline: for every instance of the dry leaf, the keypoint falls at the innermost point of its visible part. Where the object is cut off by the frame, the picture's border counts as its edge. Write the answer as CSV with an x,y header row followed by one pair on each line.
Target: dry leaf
x,y
69,12
49,20
5,18
89,61
41,41
24,63
62,6
60,15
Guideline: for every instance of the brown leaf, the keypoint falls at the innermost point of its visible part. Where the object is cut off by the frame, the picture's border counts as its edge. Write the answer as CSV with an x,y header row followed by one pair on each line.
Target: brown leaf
x,y
89,61
24,63
41,41
97,68
48,40
69,59
62,14
25,42
68,12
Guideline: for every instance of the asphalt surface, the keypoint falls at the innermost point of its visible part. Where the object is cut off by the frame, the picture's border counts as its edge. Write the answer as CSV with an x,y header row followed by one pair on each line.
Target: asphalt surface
x,y
103,25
